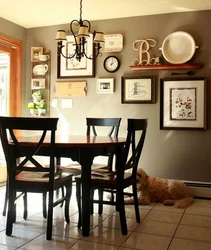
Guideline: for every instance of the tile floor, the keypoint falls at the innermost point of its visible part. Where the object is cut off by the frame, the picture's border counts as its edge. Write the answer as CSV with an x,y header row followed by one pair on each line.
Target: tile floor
x,y
161,228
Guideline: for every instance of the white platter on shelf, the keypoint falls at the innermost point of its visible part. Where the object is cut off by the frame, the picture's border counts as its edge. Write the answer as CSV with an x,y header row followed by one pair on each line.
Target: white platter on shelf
x,y
113,43
178,47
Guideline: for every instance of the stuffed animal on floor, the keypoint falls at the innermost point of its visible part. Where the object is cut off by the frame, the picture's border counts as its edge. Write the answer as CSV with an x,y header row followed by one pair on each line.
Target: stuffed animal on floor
x,y
154,189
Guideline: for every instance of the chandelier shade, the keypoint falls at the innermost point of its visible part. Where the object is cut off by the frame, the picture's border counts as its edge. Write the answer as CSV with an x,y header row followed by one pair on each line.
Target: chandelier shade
x,y
61,35
84,30
99,37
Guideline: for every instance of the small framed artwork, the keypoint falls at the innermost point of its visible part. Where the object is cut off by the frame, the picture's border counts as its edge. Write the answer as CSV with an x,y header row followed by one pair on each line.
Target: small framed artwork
x,y
183,103
105,85
72,68
138,89
37,83
35,52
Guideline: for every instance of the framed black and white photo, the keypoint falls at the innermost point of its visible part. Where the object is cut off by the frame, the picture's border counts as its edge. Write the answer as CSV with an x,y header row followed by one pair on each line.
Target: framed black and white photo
x,y
37,83
105,86
35,53
183,103
138,89
72,68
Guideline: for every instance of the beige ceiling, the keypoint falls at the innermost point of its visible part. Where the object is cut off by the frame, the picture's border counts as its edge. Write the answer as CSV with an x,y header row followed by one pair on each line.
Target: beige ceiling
x,y
36,13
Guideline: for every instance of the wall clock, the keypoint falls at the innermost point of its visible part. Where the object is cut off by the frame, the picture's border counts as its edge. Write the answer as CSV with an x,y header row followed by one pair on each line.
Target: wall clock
x,y
111,64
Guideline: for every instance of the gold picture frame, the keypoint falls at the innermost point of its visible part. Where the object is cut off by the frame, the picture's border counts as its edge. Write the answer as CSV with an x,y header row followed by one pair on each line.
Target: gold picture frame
x,y
35,52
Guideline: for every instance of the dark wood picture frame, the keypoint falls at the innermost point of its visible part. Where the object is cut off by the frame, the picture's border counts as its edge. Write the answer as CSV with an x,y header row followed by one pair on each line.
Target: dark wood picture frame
x,y
183,103
64,71
138,89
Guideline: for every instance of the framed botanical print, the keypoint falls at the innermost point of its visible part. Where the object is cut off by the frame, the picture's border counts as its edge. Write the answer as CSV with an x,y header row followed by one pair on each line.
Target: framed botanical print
x,y
72,68
183,103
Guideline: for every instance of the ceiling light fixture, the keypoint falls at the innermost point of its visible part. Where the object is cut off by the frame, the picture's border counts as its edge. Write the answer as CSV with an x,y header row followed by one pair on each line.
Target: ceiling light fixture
x,y
80,39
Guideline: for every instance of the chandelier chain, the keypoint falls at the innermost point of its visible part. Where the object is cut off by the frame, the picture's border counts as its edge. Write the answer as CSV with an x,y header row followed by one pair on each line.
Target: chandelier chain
x,y
80,10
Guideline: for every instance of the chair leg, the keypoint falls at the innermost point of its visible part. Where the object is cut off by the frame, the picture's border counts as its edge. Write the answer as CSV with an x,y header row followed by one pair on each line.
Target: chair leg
x,y
135,197
25,213
5,201
112,197
62,190
78,197
117,202
10,212
67,201
14,212
91,201
121,208
44,195
58,163
100,208
50,216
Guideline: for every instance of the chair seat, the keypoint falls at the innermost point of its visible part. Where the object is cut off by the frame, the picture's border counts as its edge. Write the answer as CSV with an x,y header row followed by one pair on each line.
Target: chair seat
x,y
104,176
76,167
39,176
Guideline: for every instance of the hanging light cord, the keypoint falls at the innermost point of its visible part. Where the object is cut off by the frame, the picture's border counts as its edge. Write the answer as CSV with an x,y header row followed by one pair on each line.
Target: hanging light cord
x,y
80,10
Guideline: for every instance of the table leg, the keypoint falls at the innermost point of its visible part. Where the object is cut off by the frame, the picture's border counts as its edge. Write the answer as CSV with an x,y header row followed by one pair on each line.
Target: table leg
x,y
86,160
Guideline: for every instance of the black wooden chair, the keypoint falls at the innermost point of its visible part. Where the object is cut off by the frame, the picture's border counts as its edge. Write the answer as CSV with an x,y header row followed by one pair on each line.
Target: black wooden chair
x,y
28,175
110,126
120,179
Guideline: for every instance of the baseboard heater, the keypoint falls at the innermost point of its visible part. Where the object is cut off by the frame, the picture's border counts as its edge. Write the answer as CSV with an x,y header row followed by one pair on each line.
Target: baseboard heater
x,y
200,189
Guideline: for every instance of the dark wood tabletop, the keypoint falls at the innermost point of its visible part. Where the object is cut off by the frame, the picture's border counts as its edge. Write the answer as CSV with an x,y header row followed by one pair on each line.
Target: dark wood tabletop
x,y
75,140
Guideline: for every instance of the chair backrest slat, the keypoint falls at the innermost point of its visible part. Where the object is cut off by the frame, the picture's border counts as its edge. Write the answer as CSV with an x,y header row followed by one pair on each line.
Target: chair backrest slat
x,y
114,123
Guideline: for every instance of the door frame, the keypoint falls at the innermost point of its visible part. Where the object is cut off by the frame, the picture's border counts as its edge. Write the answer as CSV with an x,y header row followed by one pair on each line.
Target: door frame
x,y
15,83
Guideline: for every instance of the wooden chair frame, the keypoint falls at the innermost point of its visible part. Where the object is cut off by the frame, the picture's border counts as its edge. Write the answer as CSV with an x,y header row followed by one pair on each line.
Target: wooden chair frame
x,y
28,175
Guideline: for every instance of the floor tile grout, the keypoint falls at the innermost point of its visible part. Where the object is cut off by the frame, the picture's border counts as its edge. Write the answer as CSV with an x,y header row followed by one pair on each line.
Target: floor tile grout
x,y
72,239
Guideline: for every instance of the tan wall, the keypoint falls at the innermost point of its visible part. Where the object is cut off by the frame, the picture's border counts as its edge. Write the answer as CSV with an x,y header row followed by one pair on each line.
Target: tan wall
x,y
175,154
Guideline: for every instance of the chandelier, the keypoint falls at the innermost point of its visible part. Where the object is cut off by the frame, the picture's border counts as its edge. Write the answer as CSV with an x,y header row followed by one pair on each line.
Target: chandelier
x,y
80,39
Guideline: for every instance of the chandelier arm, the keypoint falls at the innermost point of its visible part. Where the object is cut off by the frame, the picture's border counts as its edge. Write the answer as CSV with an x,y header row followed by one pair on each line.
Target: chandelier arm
x,y
89,24
66,57
76,23
94,57
60,46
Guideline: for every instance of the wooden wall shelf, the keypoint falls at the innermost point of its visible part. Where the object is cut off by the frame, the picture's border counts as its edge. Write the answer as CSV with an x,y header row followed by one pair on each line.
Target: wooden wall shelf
x,y
167,67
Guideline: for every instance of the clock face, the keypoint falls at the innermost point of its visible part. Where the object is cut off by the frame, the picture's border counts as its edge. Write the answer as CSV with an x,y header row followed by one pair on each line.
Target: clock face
x,y
111,64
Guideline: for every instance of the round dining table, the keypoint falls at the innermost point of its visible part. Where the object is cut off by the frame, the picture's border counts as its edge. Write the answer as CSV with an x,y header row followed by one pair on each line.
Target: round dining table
x,y
83,149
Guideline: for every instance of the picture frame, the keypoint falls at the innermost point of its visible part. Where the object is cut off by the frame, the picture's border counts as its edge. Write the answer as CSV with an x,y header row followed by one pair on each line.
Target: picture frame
x,y
138,89
38,83
35,52
183,103
105,85
71,68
